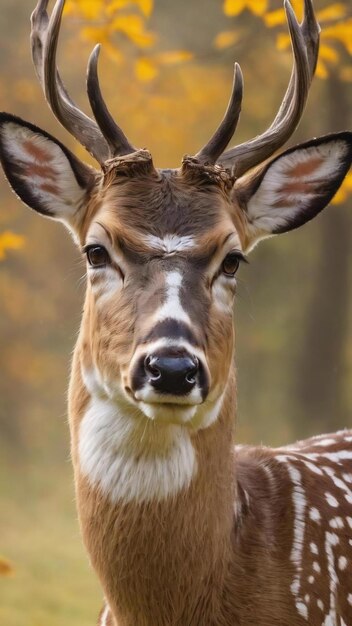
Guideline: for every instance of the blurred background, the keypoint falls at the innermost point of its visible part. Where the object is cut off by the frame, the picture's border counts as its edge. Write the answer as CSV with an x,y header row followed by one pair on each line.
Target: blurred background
x,y
166,71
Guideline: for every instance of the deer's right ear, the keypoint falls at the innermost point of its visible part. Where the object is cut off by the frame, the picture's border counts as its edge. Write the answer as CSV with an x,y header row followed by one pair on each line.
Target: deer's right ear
x,y
43,173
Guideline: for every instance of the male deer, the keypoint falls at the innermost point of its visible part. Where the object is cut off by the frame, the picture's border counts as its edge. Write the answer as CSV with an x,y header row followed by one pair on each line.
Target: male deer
x,y
181,526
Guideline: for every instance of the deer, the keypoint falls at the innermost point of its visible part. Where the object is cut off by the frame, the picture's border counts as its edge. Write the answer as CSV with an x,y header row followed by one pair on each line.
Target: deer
x,y
183,527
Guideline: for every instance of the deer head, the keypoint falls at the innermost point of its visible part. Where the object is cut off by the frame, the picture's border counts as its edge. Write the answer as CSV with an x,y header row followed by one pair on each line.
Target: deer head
x,y
163,246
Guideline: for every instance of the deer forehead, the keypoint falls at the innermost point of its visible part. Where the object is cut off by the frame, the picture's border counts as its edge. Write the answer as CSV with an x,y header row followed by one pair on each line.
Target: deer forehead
x,y
168,206
164,216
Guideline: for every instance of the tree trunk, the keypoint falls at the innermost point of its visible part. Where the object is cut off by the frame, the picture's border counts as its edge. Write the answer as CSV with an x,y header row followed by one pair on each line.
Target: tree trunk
x,y
320,366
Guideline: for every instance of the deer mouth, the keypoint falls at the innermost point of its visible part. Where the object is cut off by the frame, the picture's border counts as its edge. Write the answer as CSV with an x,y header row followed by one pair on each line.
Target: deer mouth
x,y
166,408
170,412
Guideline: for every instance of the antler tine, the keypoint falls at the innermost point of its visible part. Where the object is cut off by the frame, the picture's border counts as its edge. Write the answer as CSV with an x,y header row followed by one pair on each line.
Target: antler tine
x,y
224,133
310,30
39,25
114,135
305,45
44,39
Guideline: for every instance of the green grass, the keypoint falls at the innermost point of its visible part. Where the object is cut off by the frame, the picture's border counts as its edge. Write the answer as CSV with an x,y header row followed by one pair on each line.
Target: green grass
x,y
52,584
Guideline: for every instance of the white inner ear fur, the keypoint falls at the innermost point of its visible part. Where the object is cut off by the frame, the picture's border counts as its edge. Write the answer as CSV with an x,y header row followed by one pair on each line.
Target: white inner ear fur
x,y
291,184
44,167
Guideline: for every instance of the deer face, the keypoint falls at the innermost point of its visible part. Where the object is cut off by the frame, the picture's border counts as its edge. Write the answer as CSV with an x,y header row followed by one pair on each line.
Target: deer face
x,y
162,250
163,247
162,253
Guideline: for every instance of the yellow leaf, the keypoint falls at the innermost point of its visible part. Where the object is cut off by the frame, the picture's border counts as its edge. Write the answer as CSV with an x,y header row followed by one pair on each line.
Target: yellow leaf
x,y
146,69
258,7
234,7
96,34
321,70
333,12
10,241
225,39
133,27
342,32
90,10
145,6
6,569
345,190
114,53
283,41
328,53
173,56
297,6
116,5
274,18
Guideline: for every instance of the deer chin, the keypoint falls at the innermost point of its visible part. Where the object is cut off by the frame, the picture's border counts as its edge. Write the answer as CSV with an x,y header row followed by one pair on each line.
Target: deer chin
x,y
168,412
194,416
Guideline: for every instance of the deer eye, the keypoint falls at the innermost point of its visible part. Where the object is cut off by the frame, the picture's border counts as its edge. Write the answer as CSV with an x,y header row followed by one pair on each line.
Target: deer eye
x,y
97,256
231,263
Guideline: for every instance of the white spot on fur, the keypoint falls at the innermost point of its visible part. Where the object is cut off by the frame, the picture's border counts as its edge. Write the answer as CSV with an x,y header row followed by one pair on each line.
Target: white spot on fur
x,y
311,579
336,522
331,540
104,616
316,567
223,293
171,244
320,604
117,459
335,457
325,442
342,563
314,515
313,548
299,506
313,468
302,609
349,599
331,500
104,283
172,307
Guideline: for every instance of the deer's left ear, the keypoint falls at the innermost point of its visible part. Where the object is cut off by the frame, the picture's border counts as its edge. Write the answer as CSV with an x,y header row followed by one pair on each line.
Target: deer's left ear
x,y
294,187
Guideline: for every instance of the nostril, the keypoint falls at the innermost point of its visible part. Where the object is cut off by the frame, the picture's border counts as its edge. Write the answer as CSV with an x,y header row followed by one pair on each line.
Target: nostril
x,y
151,368
191,374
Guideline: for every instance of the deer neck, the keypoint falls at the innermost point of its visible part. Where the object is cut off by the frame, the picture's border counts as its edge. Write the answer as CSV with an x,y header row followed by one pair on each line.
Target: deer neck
x,y
148,539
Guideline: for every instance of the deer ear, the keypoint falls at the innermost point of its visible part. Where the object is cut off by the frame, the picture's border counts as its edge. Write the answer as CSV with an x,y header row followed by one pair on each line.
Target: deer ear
x,y
294,187
41,171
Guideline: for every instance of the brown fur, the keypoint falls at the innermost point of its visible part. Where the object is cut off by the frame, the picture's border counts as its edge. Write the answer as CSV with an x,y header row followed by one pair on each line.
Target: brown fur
x,y
233,547
219,553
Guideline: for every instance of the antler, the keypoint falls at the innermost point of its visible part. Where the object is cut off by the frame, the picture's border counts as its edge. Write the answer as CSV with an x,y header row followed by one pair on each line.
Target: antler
x,y
103,140
305,46
224,133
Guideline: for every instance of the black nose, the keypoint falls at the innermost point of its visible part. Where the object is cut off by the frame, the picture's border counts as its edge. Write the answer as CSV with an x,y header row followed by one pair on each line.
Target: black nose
x,y
175,375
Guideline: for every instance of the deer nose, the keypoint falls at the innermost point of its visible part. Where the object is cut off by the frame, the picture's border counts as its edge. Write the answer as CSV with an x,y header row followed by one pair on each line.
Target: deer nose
x,y
175,375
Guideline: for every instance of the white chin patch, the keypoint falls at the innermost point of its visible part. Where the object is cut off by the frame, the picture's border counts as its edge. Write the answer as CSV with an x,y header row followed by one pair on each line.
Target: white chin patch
x,y
119,455
170,414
